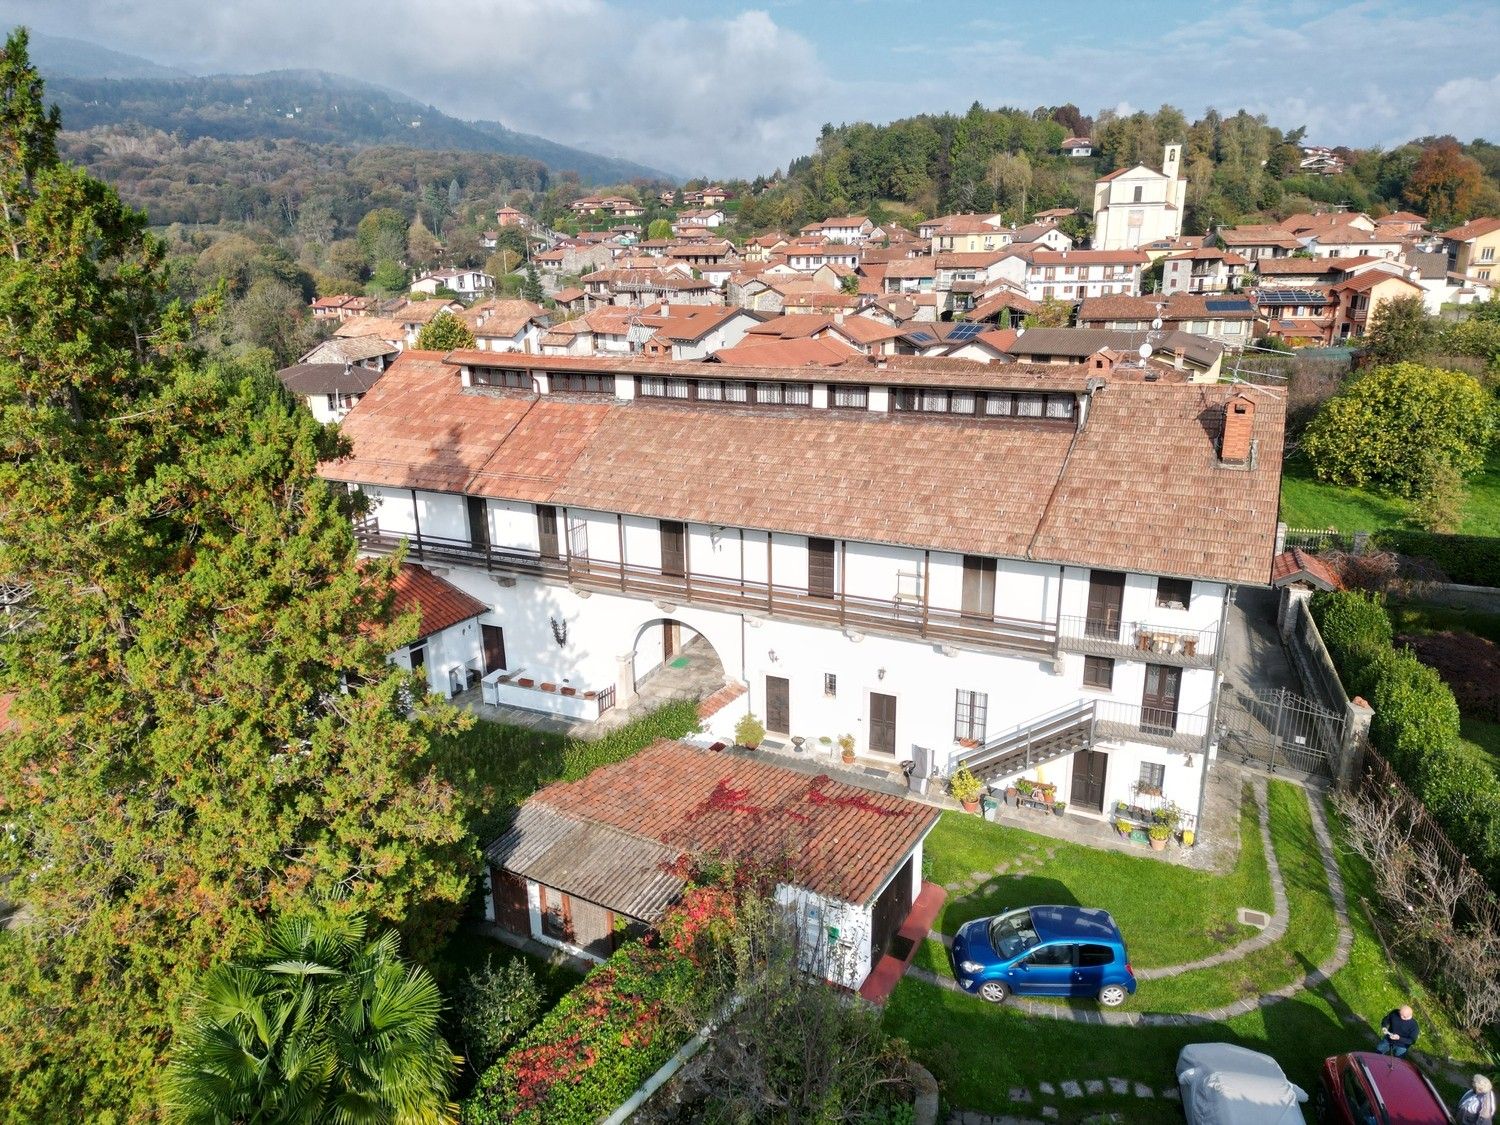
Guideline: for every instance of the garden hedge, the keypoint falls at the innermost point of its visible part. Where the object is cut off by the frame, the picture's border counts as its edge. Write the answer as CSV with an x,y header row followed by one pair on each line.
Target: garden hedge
x,y
592,1051
1473,560
1416,724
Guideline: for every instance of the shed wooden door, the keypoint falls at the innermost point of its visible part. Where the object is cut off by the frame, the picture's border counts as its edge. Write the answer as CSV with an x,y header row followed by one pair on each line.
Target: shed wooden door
x,y
511,911
778,704
673,554
494,647
1159,699
593,927
979,587
820,568
882,723
1089,768
890,910
1106,601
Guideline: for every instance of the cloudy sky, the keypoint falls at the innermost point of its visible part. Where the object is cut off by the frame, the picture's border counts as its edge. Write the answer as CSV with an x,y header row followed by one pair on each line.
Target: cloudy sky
x,y
734,88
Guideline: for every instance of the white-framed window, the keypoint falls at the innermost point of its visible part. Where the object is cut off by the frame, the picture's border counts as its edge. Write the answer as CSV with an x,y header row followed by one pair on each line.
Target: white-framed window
x,y
970,710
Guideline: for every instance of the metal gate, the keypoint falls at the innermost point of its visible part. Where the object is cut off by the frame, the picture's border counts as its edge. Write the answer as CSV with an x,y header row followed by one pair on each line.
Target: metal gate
x,y
1278,730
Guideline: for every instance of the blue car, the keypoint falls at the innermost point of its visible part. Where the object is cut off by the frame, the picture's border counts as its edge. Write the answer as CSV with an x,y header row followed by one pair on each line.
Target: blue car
x,y
1044,951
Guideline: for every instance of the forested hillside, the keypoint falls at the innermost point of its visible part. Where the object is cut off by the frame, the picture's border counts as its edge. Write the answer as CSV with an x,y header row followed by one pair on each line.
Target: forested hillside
x,y
309,106
1238,167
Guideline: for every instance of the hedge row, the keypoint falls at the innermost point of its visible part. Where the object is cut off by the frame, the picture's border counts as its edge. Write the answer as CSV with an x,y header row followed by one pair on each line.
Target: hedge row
x,y
592,1051
672,720
1470,559
1416,724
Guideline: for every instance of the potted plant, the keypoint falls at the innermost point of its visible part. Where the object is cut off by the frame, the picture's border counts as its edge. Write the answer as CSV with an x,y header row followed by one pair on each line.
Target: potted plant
x,y
569,690
846,748
965,788
526,681
968,743
1158,833
1010,793
749,732
1046,791
1059,807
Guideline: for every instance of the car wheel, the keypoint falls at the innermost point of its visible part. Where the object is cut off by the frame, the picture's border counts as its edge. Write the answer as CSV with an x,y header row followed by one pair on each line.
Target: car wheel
x,y
1112,995
994,991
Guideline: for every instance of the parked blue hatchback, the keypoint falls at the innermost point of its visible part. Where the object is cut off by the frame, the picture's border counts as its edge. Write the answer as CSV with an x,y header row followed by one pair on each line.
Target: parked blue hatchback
x,y
1044,951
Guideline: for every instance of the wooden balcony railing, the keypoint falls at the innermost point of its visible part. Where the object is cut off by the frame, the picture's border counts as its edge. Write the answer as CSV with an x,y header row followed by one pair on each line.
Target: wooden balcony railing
x,y
1139,640
846,611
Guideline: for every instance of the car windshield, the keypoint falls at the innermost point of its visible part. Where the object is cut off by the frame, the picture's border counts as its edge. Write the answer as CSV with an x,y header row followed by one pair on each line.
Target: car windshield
x,y
1012,934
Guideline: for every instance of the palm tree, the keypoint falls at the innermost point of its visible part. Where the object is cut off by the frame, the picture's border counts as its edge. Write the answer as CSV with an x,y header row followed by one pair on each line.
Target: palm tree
x,y
322,1025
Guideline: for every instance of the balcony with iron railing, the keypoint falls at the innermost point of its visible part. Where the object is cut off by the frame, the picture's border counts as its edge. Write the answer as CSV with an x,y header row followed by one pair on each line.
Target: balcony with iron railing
x,y
1139,640
899,617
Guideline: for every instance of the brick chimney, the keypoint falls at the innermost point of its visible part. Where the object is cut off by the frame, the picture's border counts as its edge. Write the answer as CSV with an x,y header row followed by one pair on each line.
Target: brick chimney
x,y
1239,424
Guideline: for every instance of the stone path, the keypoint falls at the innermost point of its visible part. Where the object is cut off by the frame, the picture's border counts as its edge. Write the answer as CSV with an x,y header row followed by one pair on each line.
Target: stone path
x,y
1312,979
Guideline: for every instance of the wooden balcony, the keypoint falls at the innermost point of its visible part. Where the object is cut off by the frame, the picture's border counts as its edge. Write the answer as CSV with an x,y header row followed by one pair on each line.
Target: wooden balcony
x,y
853,613
1139,640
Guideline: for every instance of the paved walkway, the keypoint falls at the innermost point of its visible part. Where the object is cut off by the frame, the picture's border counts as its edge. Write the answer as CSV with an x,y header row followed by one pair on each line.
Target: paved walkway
x,y
1312,979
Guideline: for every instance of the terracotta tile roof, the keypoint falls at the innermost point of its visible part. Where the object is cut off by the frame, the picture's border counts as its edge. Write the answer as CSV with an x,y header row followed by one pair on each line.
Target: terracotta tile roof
x,y
1298,267
1474,228
420,312
327,378
1403,217
968,259
712,704
1297,565
1089,257
440,603
382,328
999,302
913,267
1142,489
1278,237
1350,236
798,352
1179,306
1363,282
842,842
568,295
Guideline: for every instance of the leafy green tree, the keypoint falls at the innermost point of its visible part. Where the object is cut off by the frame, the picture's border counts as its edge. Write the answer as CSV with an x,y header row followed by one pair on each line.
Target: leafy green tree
x,y
1400,329
381,235
389,278
659,228
322,1024
443,333
422,246
1053,313
206,728
1390,425
531,288
849,285
500,1003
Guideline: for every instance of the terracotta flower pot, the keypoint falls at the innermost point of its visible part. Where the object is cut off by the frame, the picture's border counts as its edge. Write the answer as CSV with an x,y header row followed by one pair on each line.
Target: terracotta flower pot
x,y
848,757
1158,845
549,687
570,691
591,695
970,806
524,682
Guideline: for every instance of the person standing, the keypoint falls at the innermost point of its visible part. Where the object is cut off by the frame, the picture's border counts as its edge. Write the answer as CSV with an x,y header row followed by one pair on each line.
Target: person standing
x,y
1477,1106
1398,1031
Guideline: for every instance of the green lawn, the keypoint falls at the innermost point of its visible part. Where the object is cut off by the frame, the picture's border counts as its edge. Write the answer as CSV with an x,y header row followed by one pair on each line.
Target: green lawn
x,y
1170,914
1307,502
978,1051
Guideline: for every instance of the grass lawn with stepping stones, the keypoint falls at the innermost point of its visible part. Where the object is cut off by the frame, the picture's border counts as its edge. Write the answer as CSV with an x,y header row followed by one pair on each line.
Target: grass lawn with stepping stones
x,y
1169,915
979,1052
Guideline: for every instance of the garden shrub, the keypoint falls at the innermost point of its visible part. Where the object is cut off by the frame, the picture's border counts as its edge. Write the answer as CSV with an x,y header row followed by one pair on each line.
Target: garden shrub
x,y
500,1002
1416,725
1471,559
591,1052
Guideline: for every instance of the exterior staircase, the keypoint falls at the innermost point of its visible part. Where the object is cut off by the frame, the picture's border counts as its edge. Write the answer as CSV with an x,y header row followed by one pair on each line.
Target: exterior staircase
x,y
1043,739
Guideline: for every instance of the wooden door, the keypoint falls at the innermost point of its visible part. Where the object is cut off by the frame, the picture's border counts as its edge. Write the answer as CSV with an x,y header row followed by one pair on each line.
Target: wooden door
x,y
493,638
1089,768
479,522
511,911
820,568
671,641
1106,600
882,723
546,529
557,913
979,587
593,927
778,704
673,551
890,911
1159,699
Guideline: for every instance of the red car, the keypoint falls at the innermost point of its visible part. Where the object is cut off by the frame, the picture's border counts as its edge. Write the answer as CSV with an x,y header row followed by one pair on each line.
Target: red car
x,y
1366,1088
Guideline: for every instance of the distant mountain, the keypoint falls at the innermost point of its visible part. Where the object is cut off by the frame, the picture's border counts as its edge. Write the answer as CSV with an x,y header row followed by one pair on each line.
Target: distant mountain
x,y
59,57
307,105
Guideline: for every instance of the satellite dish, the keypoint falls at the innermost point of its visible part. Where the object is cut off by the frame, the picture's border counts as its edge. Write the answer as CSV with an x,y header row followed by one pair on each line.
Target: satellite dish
x,y
1144,351
1156,324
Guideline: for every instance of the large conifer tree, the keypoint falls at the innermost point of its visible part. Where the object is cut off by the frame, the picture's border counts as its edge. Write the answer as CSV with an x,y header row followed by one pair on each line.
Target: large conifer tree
x,y
204,726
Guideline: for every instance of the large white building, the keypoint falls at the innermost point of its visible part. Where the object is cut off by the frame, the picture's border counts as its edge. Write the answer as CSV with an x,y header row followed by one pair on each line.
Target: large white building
x,y
1136,206
1023,567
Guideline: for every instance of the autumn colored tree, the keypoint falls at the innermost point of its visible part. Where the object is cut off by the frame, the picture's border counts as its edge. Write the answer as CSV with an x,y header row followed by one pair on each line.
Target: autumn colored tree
x,y
1444,184
1052,313
205,725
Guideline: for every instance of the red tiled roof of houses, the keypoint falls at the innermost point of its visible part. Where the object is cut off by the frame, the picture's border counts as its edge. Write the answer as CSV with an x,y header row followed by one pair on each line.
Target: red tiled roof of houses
x,y
1089,257
799,352
1474,228
841,841
1296,565
1359,283
1403,217
567,295
1179,306
712,704
441,604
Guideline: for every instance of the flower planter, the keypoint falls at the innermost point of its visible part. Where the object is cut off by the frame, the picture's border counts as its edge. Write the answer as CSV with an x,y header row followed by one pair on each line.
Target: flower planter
x,y
1158,845
549,687
848,757
569,691
591,695
524,682
970,806
1010,795
1059,808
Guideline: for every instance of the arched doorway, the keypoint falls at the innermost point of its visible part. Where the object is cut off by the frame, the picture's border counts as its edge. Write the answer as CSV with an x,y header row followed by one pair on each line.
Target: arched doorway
x,y
672,660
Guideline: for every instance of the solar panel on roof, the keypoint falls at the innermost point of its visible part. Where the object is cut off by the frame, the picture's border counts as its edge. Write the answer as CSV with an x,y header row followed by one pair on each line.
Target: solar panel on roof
x,y
1276,298
966,331
1236,304
920,337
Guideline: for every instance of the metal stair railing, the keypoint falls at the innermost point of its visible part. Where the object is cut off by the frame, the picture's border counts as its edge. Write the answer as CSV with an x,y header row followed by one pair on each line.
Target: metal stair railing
x,y
1049,736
